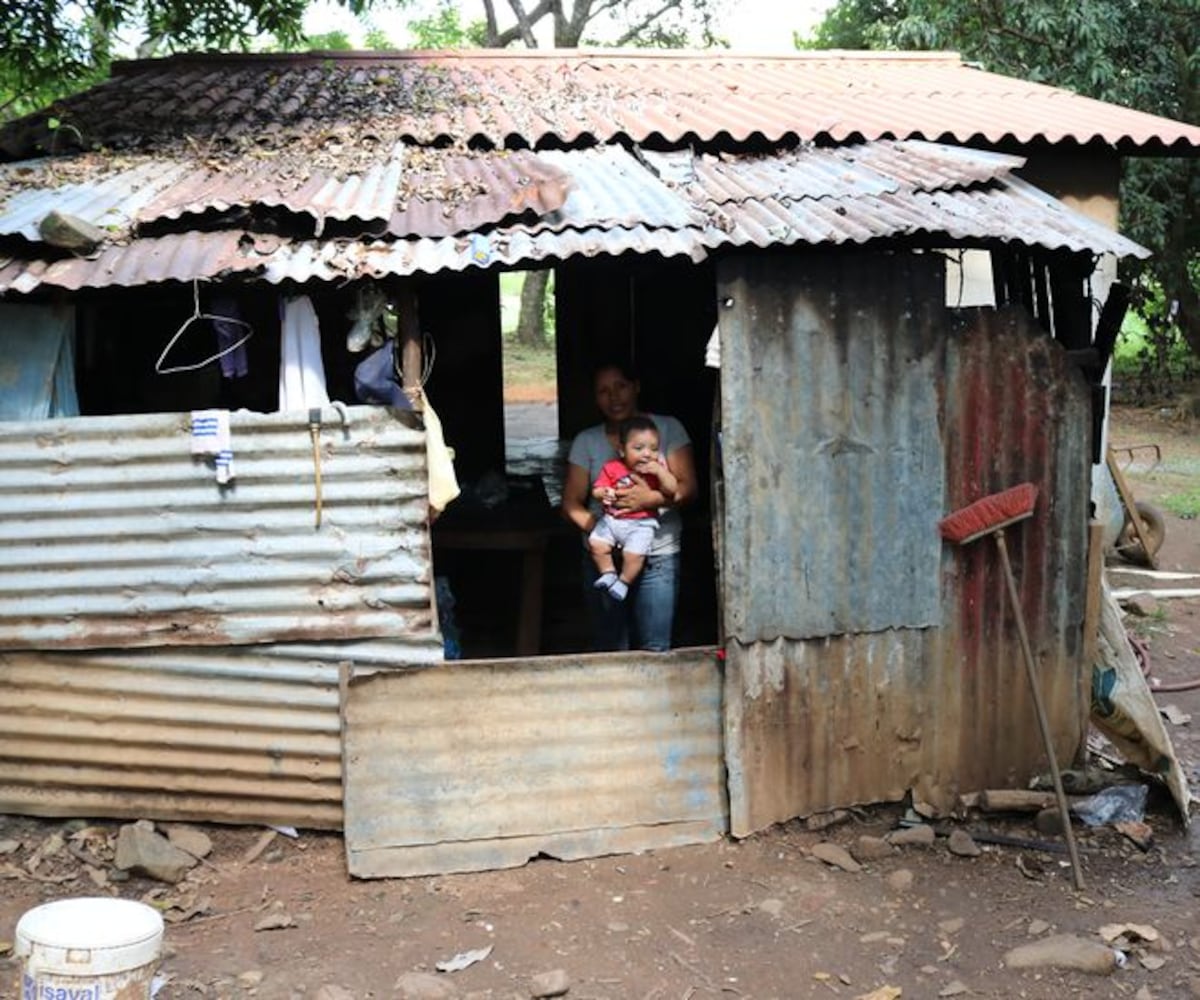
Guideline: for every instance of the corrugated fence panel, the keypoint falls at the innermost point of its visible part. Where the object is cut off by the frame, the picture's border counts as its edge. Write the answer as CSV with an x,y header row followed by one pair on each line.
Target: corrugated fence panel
x,y
114,535
482,765
246,734
833,466
814,723
1016,411
822,723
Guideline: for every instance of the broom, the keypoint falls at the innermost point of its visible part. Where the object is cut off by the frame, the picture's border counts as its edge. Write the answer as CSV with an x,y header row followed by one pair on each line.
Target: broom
x,y
990,516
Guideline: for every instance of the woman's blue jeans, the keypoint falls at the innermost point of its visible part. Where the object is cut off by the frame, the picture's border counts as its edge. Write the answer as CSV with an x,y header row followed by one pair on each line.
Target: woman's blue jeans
x,y
645,618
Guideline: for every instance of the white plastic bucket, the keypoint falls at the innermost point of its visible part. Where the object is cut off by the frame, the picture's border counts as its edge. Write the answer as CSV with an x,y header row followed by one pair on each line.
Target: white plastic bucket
x,y
94,948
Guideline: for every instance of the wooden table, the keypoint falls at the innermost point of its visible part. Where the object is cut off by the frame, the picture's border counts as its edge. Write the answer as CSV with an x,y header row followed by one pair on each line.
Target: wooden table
x,y
530,541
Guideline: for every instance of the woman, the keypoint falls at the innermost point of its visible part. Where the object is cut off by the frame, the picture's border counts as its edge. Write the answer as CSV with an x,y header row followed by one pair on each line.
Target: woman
x,y
649,611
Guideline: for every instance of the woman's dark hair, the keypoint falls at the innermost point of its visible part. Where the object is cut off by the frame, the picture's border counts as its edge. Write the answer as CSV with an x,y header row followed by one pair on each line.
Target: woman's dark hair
x,y
628,372
633,424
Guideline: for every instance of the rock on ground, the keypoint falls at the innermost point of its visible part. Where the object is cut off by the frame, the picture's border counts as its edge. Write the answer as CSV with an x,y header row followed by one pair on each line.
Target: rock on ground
x,y
1063,951
144,852
554,983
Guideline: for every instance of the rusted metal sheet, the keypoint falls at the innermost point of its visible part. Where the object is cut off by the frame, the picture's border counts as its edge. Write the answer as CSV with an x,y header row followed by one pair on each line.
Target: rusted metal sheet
x,y
817,722
245,734
571,756
231,735
367,196
114,534
338,103
872,168
732,206
1009,210
832,459
106,191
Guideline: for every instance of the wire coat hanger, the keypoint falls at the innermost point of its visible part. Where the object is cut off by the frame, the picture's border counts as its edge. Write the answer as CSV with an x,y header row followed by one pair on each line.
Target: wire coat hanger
x,y
198,315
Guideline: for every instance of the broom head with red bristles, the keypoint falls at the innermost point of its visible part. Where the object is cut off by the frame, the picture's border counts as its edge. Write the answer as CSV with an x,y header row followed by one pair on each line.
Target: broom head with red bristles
x,y
989,514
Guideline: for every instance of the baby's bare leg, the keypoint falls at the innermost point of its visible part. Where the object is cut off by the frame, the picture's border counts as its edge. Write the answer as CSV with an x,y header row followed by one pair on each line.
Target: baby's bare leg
x,y
602,555
631,565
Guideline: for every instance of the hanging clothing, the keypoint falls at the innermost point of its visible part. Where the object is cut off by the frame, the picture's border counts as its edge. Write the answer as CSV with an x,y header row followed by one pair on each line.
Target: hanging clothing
x,y
231,337
301,366
211,436
37,368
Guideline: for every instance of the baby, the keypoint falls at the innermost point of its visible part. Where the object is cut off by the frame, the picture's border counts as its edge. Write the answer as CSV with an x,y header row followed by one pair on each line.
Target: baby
x,y
632,531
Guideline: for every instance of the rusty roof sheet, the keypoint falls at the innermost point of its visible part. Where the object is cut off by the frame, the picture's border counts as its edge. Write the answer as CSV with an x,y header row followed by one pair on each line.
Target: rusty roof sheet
x,y
741,201
328,104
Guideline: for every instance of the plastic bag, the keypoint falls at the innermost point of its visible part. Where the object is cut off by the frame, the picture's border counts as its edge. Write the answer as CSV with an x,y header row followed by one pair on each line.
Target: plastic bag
x,y
375,380
1116,804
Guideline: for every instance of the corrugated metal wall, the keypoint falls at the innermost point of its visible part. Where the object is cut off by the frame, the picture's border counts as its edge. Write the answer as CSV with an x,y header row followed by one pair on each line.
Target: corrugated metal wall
x,y
248,734
832,440
856,716
481,765
114,535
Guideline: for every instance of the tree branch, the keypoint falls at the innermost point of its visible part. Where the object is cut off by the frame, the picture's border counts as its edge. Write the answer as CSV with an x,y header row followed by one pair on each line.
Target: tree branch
x,y
523,24
509,35
648,20
493,32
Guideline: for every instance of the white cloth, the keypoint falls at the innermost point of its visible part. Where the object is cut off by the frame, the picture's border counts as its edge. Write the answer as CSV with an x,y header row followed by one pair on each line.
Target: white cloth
x,y
301,367
211,436
443,483
712,350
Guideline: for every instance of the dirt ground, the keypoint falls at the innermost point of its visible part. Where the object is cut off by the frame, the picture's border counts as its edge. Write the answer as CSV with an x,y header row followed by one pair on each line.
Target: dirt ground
x,y
759,918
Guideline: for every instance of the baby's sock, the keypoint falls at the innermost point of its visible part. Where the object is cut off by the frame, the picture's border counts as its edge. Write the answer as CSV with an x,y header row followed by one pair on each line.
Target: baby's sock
x,y
605,580
618,590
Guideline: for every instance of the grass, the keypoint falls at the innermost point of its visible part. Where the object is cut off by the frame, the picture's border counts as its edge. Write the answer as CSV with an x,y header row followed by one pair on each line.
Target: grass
x,y
1185,504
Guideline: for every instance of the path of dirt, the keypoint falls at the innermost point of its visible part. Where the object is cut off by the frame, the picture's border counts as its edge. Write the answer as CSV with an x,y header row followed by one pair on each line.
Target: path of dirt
x,y
757,919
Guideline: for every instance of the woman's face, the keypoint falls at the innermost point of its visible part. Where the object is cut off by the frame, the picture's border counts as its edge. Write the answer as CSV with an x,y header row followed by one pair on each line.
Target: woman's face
x,y
616,395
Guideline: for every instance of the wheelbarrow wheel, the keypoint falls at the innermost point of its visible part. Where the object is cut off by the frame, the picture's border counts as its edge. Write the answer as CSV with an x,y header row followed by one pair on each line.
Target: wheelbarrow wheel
x,y
1154,527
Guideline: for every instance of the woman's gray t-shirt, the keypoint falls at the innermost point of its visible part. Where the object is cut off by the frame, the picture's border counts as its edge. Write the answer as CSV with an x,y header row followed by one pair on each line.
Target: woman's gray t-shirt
x,y
591,449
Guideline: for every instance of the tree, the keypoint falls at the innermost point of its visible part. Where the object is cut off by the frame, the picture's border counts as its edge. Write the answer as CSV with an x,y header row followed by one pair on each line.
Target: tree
x,y
53,47
1144,54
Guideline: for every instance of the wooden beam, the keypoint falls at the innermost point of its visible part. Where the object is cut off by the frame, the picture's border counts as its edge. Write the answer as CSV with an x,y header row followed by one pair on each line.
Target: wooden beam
x,y
1131,511
410,341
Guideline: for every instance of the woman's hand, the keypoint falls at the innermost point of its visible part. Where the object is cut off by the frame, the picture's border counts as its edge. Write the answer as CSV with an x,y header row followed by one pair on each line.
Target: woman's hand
x,y
576,490
637,497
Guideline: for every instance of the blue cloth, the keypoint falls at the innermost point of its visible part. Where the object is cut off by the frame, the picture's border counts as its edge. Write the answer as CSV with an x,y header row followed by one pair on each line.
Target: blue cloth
x,y
375,380
37,362
645,618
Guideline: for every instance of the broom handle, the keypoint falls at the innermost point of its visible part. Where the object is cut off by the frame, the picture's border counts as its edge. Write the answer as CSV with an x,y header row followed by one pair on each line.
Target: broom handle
x,y
1039,708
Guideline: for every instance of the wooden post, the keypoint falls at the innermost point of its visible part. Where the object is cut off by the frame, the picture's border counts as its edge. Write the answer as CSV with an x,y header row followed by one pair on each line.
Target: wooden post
x,y
1139,529
1091,629
410,341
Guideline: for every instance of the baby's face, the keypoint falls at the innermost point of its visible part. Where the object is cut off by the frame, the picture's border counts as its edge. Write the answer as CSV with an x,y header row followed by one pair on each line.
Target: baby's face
x,y
640,448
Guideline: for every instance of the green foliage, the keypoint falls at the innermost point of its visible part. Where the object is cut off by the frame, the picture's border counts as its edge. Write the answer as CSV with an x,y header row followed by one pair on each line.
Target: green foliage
x,y
854,24
1143,54
50,48
444,29
376,40
330,41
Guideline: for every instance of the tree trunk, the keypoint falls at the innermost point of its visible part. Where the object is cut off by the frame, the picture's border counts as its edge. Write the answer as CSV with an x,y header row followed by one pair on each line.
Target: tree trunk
x,y
531,325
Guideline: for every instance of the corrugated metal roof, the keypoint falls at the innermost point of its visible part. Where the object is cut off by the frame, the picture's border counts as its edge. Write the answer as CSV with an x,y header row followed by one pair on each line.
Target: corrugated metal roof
x,y
688,206
248,734
110,193
823,721
578,97
571,756
115,535
369,196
